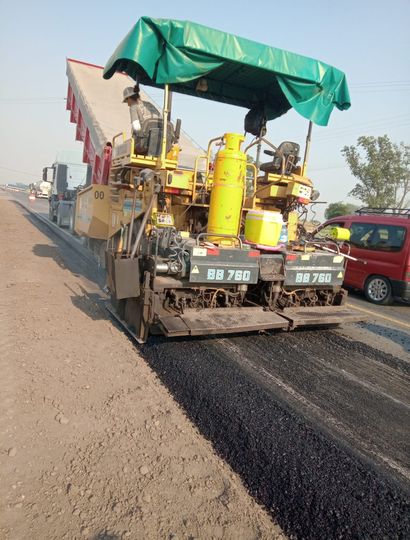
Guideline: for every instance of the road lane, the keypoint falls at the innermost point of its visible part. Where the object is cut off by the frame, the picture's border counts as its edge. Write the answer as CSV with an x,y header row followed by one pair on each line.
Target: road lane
x,y
396,314
40,206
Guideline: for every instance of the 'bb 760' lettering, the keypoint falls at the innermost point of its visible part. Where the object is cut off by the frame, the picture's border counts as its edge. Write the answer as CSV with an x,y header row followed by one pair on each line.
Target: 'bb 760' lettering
x,y
313,277
220,274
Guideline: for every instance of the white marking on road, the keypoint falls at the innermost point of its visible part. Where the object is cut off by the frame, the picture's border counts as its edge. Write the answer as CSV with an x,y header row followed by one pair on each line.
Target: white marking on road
x,y
377,316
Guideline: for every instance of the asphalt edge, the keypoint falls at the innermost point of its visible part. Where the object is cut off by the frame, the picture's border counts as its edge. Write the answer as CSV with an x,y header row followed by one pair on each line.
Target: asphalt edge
x,y
61,233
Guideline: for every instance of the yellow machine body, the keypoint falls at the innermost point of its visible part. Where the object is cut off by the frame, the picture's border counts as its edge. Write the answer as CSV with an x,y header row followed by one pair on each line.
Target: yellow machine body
x,y
179,179
100,214
292,226
263,227
124,155
228,186
93,212
281,187
340,233
120,211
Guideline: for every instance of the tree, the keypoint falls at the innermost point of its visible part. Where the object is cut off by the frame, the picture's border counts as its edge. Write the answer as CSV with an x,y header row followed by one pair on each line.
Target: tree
x,y
382,169
339,209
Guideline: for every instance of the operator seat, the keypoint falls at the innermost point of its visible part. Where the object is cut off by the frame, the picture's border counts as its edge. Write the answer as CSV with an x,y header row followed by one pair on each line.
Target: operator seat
x,y
284,159
148,139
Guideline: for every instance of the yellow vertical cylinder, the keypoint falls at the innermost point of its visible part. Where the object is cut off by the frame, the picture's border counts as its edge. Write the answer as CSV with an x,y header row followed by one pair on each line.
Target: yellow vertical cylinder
x,y
225,207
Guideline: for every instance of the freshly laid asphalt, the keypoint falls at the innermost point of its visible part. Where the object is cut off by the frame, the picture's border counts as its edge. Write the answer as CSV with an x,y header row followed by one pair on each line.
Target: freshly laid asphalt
x,y
326,453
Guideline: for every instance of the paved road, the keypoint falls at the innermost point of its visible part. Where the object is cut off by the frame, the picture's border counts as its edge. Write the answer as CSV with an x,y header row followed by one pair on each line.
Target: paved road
x,y
316,423
37,205
92,446
397,315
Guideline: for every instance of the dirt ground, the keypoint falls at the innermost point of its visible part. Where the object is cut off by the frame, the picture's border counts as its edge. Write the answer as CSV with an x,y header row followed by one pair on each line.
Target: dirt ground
x,y
92,445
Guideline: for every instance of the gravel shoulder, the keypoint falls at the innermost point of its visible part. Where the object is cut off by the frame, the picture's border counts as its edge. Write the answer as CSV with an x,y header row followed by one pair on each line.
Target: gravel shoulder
x,y
92,445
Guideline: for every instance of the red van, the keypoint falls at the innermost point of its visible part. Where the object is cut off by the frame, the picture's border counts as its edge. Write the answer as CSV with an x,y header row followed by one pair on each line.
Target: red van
x,y
381,237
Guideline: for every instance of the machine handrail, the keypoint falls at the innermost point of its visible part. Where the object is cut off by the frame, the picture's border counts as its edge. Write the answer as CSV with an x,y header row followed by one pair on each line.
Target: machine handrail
x,y
122,133
197,159
219,235
258,141
255,183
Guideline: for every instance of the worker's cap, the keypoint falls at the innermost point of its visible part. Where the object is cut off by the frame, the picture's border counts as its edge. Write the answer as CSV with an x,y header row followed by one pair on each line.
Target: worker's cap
x,y
130,91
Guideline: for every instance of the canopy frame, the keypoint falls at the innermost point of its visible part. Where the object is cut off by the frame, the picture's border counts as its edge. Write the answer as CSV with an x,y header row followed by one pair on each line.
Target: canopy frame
x,y
200,61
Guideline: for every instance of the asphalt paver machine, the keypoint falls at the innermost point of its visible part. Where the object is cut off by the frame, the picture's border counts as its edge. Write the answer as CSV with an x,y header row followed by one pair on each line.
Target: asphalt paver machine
x,y
220,247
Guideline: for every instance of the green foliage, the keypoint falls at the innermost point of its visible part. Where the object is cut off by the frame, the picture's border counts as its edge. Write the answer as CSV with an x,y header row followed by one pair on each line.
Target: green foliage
x,y
339,209
382,169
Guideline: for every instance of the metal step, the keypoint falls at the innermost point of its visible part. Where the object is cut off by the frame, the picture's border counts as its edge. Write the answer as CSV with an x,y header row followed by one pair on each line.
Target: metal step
x,y
221,321
321,315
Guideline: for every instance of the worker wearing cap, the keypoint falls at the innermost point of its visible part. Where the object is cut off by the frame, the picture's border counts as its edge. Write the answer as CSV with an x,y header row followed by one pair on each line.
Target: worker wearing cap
x,y
139,110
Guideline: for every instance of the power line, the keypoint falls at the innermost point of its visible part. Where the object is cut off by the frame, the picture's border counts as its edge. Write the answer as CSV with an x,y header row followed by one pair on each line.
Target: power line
x,y
380,83
32,103
18,171
381,127
376,90
51,100
328,168
375,121
32,98
376,127
344,132
353,133
334,133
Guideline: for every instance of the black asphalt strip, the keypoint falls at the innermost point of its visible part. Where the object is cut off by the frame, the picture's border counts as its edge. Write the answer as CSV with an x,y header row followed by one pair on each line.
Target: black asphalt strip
x,y
313,485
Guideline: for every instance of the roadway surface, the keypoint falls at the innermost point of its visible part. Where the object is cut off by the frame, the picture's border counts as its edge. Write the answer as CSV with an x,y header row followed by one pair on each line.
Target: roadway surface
x,y
315,422
39,206
92,445
397,314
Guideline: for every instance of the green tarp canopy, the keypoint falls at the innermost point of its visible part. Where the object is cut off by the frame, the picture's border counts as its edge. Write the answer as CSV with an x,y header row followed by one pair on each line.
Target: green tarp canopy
x,y
200,61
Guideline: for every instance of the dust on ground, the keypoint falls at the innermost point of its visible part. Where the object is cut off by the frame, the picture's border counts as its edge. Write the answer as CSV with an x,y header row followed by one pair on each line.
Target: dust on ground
x,y
91,444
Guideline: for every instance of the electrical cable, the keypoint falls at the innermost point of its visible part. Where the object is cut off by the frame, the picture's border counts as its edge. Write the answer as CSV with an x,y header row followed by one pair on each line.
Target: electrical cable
x,y
20,172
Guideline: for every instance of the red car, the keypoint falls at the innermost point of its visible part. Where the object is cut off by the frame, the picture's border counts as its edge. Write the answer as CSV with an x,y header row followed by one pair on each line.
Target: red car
x,y
381,237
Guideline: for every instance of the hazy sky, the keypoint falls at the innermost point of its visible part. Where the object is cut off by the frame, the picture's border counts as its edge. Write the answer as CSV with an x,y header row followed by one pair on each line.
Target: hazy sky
x,y
369,40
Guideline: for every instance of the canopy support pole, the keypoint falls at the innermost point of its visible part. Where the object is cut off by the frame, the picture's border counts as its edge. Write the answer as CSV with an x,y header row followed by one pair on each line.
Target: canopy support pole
x,y
165,116
258,153
307,148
